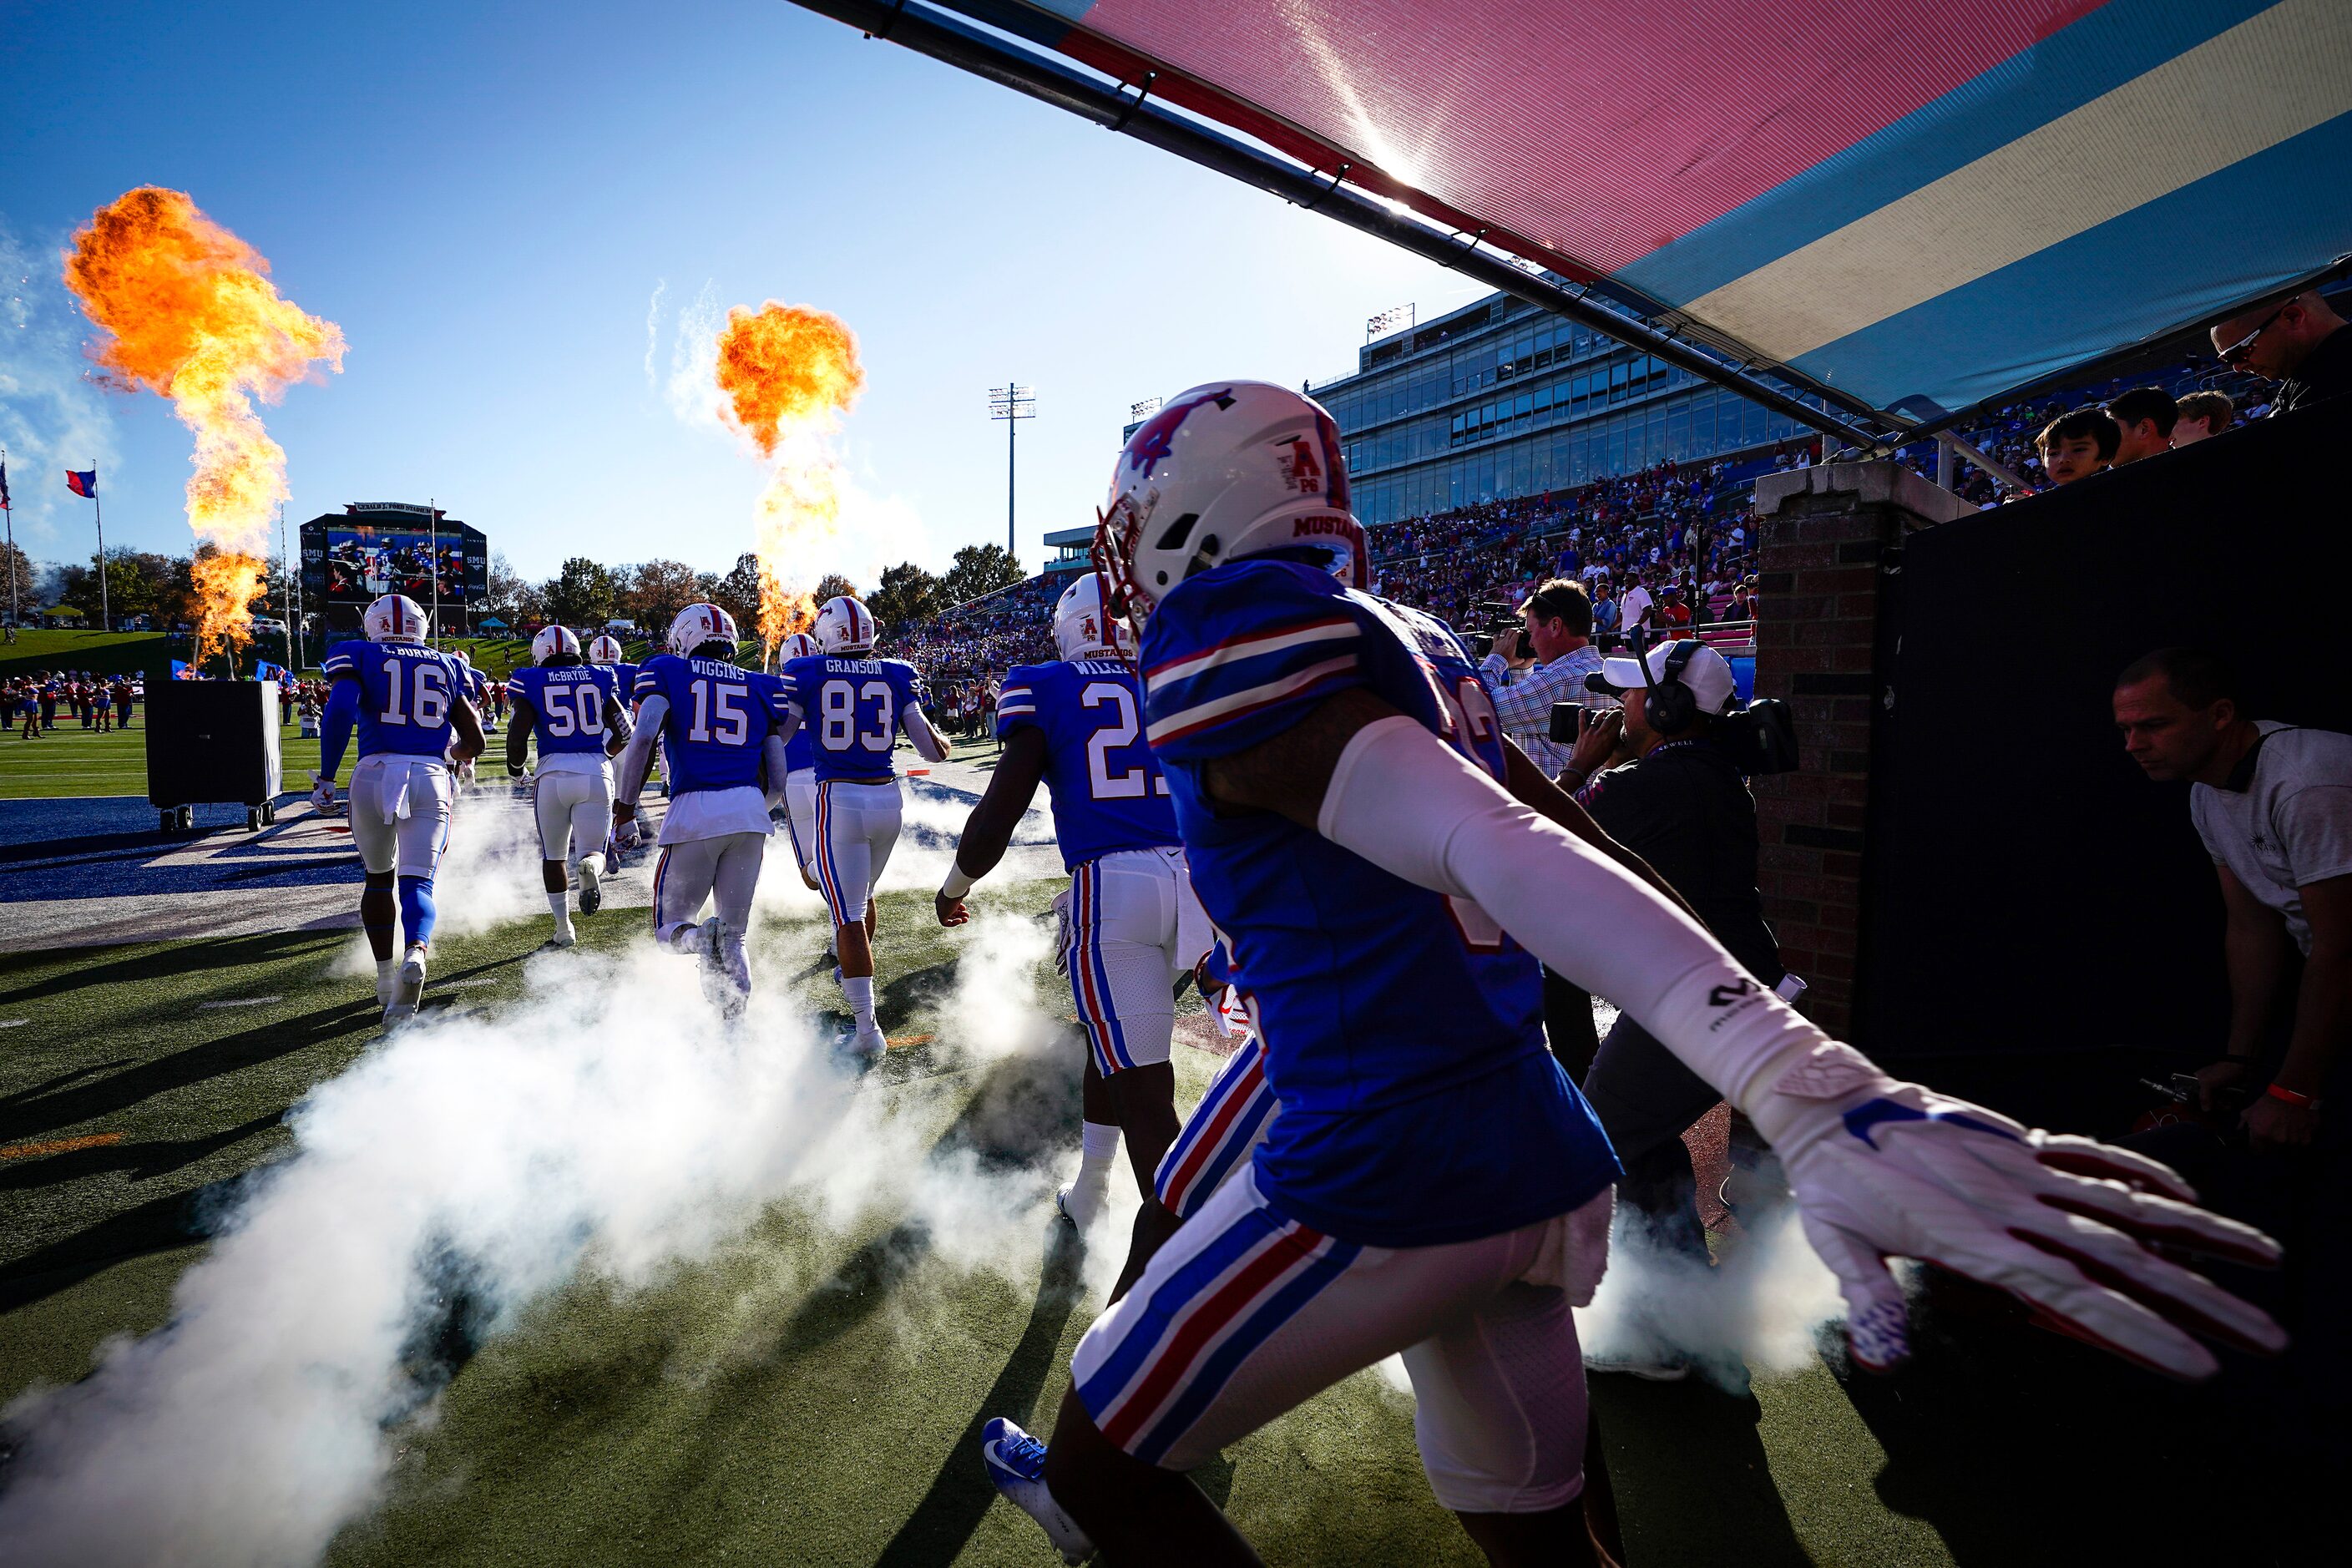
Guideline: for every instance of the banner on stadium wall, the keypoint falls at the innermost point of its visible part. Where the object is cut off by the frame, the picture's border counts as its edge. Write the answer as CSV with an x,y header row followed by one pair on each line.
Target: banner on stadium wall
x,y
1921,204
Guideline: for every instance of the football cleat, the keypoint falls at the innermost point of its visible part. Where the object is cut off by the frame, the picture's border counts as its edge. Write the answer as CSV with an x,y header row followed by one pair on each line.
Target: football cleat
x,y
561,937
869,1044
1016,1463
408,983
397,1014
1081,1203
592,889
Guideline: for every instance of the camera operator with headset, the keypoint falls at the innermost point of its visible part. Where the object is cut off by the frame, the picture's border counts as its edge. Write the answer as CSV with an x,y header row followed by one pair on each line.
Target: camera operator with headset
x,y
1664,774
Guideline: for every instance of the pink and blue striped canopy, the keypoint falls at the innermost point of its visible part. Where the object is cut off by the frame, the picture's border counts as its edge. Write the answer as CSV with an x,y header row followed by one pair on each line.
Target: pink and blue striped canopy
x,y
1920,204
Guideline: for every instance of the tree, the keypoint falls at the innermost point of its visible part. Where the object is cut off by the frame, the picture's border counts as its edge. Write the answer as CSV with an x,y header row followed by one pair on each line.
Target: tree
x,y
907,597
17,572
834,586
507,587
979,569
581,594
738,593
656,591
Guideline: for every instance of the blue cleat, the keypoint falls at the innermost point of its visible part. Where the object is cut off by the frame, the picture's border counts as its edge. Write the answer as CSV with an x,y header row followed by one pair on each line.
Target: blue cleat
x,y
1016,1463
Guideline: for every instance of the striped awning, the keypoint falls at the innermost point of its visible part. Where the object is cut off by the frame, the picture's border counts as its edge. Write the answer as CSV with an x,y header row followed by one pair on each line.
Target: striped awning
x,y
1918,203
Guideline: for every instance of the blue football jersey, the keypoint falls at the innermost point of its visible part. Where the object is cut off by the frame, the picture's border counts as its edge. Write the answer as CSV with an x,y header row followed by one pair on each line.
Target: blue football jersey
x,y
406,693
851,708
1108,793
720,716
569,699
1403,1030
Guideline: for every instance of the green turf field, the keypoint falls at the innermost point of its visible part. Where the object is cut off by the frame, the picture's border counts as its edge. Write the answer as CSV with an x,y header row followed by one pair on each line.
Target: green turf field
x,y
104,653
811,1392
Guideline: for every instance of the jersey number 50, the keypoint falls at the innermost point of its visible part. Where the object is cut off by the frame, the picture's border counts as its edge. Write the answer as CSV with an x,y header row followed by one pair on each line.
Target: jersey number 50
x,y
574,710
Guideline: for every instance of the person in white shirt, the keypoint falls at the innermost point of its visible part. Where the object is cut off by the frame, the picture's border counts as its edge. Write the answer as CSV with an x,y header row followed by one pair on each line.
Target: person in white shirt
x,y
1634,609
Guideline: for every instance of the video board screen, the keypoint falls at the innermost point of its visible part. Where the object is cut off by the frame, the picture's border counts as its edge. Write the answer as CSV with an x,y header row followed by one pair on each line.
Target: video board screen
x,y
365,561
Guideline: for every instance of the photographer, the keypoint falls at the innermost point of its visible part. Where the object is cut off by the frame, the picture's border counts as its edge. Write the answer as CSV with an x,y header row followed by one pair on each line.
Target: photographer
x,y
1543,660
1658,775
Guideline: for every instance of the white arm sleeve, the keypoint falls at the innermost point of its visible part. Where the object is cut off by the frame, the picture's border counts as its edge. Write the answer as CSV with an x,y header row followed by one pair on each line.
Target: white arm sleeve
x,y
772,754
638,760
928,744
1414,806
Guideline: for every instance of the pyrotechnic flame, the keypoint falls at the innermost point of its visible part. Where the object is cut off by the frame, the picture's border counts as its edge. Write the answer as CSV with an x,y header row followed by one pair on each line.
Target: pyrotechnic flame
x,y
190,314
789,373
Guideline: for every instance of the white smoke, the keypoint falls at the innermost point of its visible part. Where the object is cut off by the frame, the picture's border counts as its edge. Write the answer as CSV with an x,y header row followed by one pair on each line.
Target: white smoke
x,y
607,1122
1756,1312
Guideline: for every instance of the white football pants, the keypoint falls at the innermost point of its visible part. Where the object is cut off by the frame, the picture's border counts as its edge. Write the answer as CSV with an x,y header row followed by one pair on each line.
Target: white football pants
x,y
574,812
401,808
1136,929
725,869
800,812
857,828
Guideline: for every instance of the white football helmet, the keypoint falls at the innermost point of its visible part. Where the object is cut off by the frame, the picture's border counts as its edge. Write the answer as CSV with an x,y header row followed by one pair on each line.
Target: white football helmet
x,y
1232,468
1081,627
554,642
699,623
396,618
845,626
604,648
799,645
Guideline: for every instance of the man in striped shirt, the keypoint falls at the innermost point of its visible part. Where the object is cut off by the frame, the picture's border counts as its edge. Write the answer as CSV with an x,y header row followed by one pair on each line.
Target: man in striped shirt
x,y
1545,663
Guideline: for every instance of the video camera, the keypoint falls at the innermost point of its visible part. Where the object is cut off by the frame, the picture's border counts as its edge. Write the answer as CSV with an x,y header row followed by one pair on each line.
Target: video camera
x,y
1500,618
1761,737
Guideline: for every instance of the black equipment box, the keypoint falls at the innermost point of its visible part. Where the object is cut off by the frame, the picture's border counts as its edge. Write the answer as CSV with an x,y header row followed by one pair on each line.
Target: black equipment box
x,y
212,741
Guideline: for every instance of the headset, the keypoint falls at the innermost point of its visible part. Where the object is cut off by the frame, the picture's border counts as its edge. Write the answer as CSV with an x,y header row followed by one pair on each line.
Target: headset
x,y
1667,704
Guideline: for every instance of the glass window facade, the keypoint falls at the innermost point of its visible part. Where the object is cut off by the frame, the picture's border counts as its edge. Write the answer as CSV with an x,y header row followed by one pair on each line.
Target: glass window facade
x,y
1513,402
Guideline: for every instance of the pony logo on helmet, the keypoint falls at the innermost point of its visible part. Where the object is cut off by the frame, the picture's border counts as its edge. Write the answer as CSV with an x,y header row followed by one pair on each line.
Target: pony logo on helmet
x,y
396,618
1083,628
1222,472
699,623
604,648
845,626
554,642
798,644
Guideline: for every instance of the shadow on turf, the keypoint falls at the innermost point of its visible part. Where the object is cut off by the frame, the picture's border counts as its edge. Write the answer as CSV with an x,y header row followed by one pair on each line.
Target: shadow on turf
x,y
171,961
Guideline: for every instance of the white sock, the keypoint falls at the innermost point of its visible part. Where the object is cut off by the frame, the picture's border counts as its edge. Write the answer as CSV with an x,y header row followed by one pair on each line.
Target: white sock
x,y
858,991
592,864
561,904
385,970
1100,1146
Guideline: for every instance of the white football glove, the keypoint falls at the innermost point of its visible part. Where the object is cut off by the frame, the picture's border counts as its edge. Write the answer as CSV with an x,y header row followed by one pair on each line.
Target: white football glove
x,y
2069,1225
323,792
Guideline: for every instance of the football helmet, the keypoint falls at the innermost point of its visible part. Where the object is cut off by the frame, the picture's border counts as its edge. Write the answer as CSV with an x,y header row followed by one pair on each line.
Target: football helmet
x,y
845,626
699,623
604,648
396,618
1228,469
554,642
799,645
1082,630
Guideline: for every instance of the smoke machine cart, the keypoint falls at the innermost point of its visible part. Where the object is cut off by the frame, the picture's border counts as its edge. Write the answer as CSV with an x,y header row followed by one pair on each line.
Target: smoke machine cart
x,y
210,742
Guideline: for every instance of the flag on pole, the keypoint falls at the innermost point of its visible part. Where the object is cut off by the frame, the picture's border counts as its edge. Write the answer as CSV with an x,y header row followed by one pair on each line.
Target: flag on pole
x,y
5,505
82,481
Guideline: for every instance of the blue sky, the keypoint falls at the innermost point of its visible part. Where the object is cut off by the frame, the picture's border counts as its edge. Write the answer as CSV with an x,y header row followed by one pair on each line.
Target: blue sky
x,y
509,209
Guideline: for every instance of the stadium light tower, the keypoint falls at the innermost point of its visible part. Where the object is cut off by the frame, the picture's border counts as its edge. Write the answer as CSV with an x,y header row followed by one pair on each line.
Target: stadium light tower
x,y
1012,403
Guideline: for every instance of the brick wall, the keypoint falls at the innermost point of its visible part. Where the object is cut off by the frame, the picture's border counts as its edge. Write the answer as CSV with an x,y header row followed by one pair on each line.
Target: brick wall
x,y
1826,537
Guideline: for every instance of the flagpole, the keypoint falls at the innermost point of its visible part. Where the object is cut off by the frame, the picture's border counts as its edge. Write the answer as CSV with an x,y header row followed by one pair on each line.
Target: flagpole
x,y
15,614
105,616
433,528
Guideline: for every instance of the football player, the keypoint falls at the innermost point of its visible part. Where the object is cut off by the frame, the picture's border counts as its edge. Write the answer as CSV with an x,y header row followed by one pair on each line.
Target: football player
x,y
604,650
577,713
716,723
1443,1194
800,780
854,705
1135,932
408,703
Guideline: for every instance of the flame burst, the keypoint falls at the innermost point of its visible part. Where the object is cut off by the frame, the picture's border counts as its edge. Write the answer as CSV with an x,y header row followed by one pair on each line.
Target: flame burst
x,y
789,373
190,314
